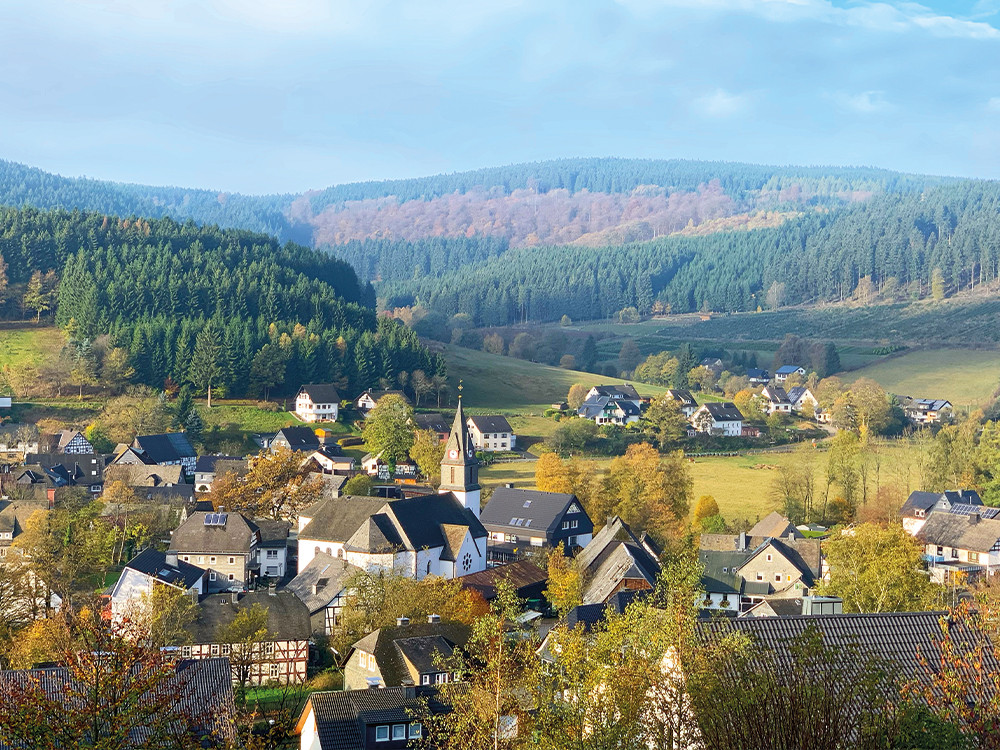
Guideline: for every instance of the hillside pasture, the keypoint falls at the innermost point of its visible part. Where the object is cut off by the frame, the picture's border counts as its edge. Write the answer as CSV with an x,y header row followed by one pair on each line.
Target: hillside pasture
x,y
28,345
963,376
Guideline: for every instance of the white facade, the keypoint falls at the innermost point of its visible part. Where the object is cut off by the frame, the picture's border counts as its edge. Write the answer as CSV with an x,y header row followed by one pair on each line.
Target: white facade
x,y
273,561
308,411
703,421
781,377
491,441
130,589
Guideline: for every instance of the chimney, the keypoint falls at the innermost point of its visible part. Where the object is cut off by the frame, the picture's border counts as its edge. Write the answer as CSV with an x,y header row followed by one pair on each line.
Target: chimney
x,y
433,619
742,542
401,621
172,557
509,485
791,535
974,518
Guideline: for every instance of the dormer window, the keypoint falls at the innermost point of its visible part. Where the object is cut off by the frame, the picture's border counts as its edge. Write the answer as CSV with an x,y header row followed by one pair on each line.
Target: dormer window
x,y
920,513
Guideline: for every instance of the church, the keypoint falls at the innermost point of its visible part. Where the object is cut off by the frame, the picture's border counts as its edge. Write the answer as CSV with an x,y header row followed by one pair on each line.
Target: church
x,y
430,535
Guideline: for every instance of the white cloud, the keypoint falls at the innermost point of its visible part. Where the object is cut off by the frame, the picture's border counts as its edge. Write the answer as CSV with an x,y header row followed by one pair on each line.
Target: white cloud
x,y
866,102
720,103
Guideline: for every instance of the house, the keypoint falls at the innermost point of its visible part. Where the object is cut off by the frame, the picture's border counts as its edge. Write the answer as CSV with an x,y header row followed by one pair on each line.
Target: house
x,y
422,535
322,587
775,525
207,468
616,559
284,653
317,402
224,544
775,400
302,439
924,411
757,376
803,400
586,617
529,581
17,441
966,543
199,691
143,475
374,465
409,653
72,441
326,461
712,363
718,418
919,505
14,516
607,410
272,552
685,401
84,470
367,400
492,433
434,423
784,372
366,719
518,520
624,392
170,449
807,605
747,431
148,569
743,570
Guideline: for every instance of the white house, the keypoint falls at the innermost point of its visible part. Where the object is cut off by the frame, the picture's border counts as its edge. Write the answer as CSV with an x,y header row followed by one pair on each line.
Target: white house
x,y
775,400
968,544
803,400
718,418
685,401
784,372
919,505
924,411
367,400
317,402
492,433
606,410
148,569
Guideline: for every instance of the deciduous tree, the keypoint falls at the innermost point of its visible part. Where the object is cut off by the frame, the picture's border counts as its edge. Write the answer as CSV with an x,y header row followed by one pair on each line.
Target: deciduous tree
x,y
389,428
552,474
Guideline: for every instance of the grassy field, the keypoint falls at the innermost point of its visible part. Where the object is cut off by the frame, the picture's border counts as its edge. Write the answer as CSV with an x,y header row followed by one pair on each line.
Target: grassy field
x,y
28,345
514,386
964,377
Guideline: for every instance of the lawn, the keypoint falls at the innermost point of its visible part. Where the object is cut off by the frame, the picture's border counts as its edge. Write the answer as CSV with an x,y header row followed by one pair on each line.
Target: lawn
x,y
964,377
514,386
28,345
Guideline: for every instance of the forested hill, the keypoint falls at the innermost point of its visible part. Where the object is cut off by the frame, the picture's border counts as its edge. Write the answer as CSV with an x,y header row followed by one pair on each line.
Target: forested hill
x,y
254,315
590,201
894,247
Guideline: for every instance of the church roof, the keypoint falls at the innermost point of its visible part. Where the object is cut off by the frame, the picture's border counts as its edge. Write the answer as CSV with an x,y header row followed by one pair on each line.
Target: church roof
x,y
459,441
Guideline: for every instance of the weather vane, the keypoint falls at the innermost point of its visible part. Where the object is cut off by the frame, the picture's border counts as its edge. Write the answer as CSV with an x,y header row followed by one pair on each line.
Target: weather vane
x,y
460,388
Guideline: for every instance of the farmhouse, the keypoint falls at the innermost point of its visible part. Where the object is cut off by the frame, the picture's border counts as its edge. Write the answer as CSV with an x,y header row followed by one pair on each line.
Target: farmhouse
x,y
803,400
434,422
718,418
758,376
208,468
616,560
685,401
317,402
492,433
72,441
784,372
775,400
925,411
367,400
608,410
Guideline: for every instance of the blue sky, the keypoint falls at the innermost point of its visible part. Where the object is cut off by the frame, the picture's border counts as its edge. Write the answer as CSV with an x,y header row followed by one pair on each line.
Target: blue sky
x,y
287,95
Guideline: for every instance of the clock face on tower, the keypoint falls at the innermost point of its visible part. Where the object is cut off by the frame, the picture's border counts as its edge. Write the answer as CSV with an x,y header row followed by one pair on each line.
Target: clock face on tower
x,y
453,454
467,562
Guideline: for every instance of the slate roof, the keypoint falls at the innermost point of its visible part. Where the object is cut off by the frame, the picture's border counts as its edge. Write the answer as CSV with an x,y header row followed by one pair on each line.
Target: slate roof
x,y
221,465
927,404
961,531
153,563
324,573
596,405
320,393
172,446
919,500
788,369
434,422
336,519
776,525
341,716
299,438
236,535
420,640
421,518
523,574
617,392
144,475
491,424
898,638
723,551
721,571
755,373
776,394
797,392
613,555
204,688
272,533
723,411
287,617
684,397
73,468
533,509
589,615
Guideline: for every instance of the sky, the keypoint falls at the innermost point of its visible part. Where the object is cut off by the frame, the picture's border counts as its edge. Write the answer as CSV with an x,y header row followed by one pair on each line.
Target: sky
x,y
264,96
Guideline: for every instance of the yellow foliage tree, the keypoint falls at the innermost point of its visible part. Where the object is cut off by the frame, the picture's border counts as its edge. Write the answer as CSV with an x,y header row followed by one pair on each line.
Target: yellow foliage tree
x,y
705,507
552,474
565,587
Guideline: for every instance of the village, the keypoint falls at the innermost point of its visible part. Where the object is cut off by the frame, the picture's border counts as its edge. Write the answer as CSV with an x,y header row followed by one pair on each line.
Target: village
x,y
268,564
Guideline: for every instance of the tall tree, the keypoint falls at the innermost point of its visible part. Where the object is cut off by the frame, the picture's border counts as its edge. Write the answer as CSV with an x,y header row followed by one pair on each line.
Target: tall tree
x,y
388,429
207,364
37,297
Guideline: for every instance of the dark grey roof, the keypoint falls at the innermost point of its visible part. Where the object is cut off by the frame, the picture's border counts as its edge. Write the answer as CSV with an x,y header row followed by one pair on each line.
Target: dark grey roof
x,y
755,373
684,397
530,510
75,468
788,369
203,690
927,404
321,580
341,716
614,555
160,449
597,405
336,519
287,617
964,532
421,519
804,554
723,411
153,563
382,643
237,534
524,575
589,615
776,394
616,392
919,500
434,422
221,465
299,438
492,423
721,571
321,393
902,639
272,533
797,392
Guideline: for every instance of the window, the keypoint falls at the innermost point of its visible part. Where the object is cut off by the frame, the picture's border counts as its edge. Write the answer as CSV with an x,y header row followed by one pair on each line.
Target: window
x,y
416,730
215,649
777,577
565,524
269,648
212,559
425,679
574,524
226,648
441,678
725,570
973,557
186,651
954,553
232,577
274,670
760,576
399,731
382,734
232,560
372,665
769,558
201,558
211,575
272,554
940,551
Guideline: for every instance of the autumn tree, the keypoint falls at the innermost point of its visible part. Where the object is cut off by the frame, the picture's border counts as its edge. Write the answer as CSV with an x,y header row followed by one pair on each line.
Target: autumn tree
x,y
576,396
388,429
140,411
245,637
164,614
776,295
749,404
937,285
704,508
276,485
39,294
665,421
565,581
428,451
358,485
552,474
493,343
877,569
648,491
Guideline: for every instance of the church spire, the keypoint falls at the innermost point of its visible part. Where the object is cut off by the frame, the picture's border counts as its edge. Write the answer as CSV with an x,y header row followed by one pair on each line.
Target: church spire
x,y
459,467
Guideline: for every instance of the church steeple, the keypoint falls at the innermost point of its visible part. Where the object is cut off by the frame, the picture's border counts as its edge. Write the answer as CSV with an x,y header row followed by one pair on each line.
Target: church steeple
x,y
460,467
